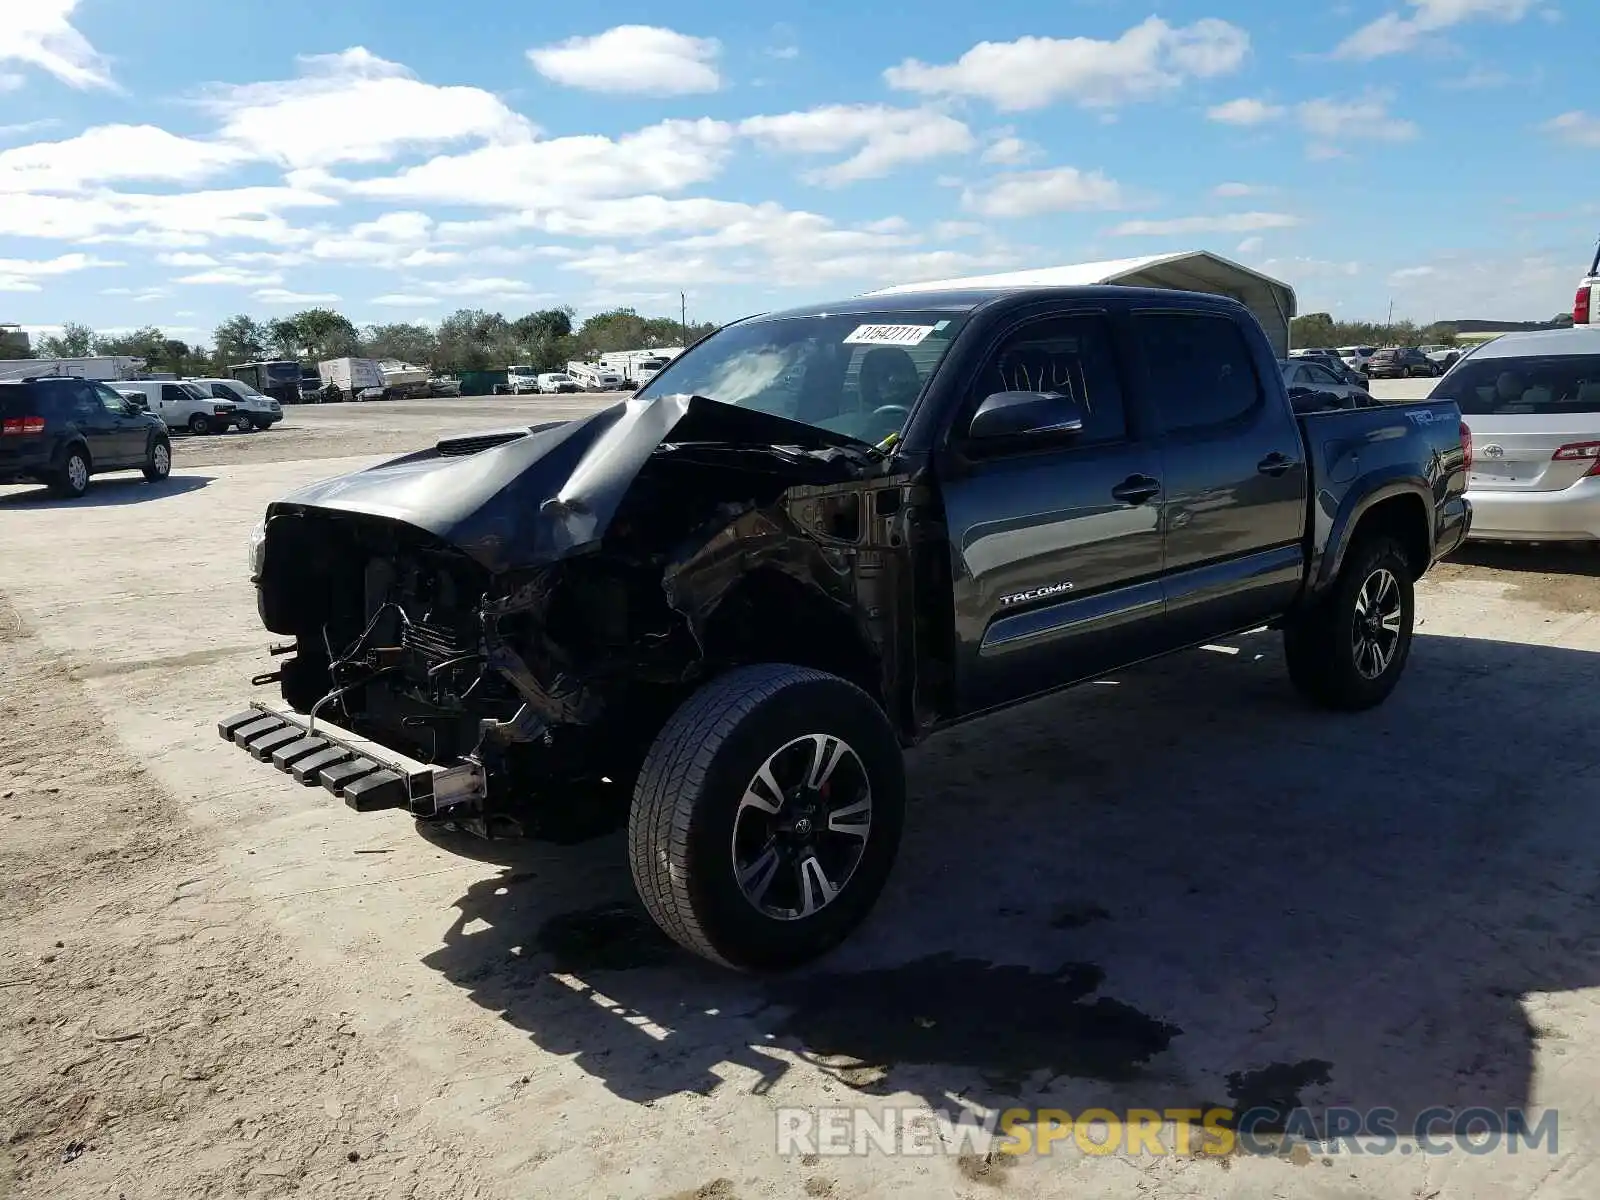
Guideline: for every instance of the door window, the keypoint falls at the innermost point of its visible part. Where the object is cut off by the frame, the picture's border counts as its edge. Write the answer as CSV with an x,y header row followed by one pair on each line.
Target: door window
x,y
1201,372
1068,355
171,393
110,401
1322,376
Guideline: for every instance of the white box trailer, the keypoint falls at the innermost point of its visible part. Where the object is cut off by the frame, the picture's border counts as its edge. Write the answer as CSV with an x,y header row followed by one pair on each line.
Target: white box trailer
x,y
106,368
596,377
639,367
356,378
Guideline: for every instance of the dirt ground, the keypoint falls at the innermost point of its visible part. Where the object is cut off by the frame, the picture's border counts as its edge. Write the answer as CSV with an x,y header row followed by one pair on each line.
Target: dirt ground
x,y
1175,887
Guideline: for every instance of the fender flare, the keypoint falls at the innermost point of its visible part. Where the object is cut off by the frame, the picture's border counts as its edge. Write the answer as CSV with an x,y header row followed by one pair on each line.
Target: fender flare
x,y
1363,496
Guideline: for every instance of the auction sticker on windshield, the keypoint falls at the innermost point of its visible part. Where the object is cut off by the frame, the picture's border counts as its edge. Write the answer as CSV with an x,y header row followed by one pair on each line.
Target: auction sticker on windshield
x,y
889,335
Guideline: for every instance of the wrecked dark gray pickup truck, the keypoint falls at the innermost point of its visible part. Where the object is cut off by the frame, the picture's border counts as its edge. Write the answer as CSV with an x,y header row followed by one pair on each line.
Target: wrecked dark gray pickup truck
x,y
719,610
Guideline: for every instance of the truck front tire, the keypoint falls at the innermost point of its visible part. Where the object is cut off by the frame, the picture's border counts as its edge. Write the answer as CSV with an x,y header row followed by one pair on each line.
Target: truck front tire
x,y
767,816
1348,651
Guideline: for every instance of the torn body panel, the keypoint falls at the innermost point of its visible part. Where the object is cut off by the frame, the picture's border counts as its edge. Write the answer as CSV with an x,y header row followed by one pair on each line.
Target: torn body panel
x,y
539,603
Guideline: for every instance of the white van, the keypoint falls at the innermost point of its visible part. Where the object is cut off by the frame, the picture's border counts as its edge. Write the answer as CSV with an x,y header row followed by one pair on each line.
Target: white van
x,y
182,405
556,381
261,412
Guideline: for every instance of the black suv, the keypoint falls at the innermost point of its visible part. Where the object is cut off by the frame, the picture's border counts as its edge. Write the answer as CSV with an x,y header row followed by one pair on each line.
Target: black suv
x,y
60,431
1400,362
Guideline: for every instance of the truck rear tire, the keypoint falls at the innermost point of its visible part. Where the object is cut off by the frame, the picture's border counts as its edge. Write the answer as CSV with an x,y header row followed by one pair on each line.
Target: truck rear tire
x,y
1349,651
767,816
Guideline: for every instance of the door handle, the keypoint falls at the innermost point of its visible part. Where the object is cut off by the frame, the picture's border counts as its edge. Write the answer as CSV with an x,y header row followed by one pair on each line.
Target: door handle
x,y
1275,463
1136,489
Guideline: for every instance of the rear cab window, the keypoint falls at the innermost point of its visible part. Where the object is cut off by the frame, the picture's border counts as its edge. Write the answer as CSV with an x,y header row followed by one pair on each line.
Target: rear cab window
x,y
1557,383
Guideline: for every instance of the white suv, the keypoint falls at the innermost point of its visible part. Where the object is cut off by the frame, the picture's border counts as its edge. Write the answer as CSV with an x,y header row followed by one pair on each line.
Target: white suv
x,y
1357,357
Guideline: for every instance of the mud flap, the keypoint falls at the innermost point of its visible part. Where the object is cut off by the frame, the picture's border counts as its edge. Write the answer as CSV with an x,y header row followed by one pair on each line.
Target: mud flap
x,y
366,775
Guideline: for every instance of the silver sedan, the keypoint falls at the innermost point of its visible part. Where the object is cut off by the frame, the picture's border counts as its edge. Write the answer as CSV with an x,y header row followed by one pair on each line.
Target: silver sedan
x,y
1532,402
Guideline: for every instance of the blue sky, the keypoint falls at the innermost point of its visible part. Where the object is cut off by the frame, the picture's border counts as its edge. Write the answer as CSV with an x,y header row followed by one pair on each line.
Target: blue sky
x,y
174,163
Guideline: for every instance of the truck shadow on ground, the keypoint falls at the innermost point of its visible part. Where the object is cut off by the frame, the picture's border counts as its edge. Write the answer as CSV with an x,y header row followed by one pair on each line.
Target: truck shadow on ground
x,y
109,490
1176,887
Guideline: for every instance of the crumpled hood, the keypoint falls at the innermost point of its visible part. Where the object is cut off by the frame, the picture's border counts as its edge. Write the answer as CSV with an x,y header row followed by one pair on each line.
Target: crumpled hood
x,y
547,494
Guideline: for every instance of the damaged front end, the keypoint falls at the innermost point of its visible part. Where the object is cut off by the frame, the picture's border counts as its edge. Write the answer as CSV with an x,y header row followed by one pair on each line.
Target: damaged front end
x,y
492,632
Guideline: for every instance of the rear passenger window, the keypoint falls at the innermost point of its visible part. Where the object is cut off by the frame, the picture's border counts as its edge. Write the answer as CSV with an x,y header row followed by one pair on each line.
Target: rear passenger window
x,y
1069,355
1200,369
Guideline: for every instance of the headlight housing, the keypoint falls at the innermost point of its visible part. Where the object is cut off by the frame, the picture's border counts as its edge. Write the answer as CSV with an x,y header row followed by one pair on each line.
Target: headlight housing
x,y
258,548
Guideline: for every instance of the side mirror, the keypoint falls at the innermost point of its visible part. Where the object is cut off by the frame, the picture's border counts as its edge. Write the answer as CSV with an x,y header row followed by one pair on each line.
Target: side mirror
x,y
1026,414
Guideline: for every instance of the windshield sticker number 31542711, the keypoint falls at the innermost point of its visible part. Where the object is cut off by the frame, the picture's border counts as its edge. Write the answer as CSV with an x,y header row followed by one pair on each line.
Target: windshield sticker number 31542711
x,y
889,335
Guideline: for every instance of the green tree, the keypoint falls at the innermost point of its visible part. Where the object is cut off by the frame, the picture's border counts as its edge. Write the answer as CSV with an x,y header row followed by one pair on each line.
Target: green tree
x,y
240,339
74,341
544,325
283,338
411,342
316,333
471,339
325,333
146,343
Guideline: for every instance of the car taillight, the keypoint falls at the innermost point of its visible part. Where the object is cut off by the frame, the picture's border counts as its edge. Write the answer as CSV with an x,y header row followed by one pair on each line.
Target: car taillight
x,y
1580,452
1581,305
19,426
1466,444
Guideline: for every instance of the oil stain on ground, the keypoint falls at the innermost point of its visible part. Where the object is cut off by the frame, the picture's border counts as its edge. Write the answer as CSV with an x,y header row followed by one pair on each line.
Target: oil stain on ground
x,y
1276,1087
1004,1021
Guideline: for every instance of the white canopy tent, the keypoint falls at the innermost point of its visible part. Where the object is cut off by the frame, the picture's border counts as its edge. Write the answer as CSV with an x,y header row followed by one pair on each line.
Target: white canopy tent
x,y
1271,300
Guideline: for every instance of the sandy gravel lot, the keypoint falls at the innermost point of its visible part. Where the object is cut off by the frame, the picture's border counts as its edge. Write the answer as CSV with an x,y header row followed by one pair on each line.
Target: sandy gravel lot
x,y
1174,888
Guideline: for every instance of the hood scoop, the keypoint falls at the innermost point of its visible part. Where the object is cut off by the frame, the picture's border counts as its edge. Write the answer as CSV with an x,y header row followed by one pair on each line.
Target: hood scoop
x,y
472,443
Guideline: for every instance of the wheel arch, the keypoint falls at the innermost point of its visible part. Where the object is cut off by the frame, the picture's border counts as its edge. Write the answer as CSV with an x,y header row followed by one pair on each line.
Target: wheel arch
x,y
67,446
772,616
1400,508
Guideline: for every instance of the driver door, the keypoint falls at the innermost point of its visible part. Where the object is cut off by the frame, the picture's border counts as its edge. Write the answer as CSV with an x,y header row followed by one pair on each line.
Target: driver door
x,y
1056,547
131,434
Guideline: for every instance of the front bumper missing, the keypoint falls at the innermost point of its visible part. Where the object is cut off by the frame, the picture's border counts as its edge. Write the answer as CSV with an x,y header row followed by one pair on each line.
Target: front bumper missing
x,y
365,775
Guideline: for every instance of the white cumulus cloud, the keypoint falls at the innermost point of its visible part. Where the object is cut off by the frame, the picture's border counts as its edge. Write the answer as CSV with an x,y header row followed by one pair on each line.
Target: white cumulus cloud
x,y
355,107
1059,189
883,138
560,172
1578,128
1247,222
1399,32
1245,111
1367,118
640,59
40,34
1148,60
112,153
